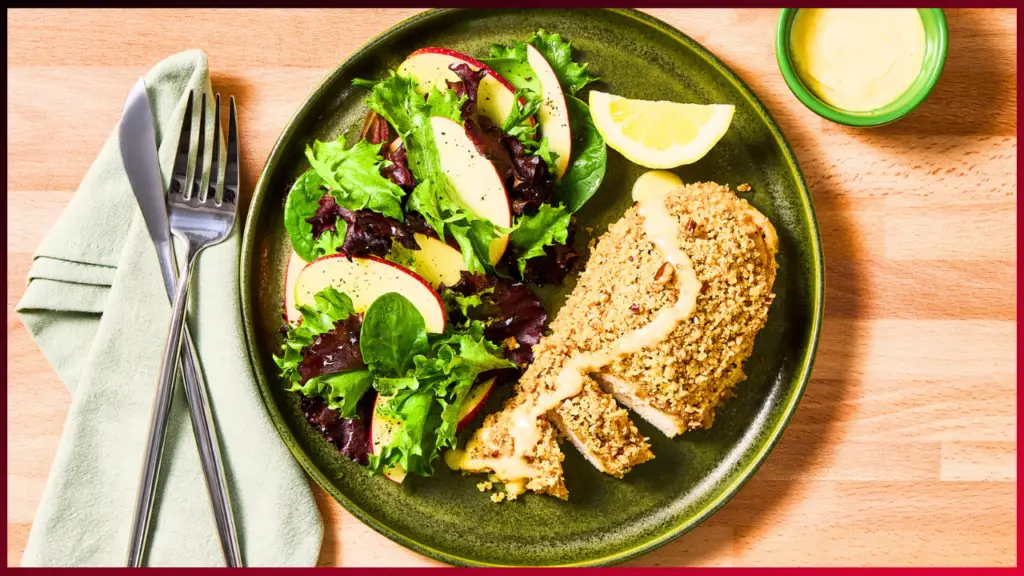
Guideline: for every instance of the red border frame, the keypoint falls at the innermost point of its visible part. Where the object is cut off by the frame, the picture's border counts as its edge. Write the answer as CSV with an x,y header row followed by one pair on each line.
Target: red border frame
x,y
591,4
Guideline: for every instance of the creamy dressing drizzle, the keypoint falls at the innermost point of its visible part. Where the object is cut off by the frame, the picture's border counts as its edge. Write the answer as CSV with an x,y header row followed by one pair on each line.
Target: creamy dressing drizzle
x,y
662,229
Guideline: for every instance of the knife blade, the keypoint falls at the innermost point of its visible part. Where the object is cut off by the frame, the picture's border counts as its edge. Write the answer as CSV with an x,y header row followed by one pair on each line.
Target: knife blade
x,y
137,139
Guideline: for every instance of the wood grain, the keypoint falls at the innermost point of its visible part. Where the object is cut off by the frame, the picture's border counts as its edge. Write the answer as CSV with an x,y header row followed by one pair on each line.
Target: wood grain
x,y
903,451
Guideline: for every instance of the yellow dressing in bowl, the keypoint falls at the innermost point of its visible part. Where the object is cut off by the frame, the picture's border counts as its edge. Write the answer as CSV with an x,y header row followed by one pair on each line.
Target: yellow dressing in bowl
x,y
858,59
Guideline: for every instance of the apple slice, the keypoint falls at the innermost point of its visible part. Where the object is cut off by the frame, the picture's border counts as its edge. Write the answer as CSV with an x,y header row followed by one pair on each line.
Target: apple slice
x,y
382,429
478,394
364,280
553,114
429,68
291,276
474,178
435,261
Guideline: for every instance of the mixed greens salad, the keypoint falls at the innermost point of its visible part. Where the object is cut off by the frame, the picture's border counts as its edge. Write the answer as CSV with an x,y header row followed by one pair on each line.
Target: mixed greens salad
x,y
408,295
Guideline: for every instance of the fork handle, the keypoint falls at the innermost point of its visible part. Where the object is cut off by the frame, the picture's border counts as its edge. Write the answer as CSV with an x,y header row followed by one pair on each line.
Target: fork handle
x,y
202,423
209,453
203,428
158,423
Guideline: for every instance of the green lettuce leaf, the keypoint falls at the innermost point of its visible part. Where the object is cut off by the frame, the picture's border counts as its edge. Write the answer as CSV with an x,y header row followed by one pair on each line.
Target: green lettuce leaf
x,y
451,405
461,356
589,158
395,99
542,150
532,233
391,386
354,178
510,63
558,53
517,123
426,401
412,444
517,52
301,204
455,301
342,390
465,352
393,333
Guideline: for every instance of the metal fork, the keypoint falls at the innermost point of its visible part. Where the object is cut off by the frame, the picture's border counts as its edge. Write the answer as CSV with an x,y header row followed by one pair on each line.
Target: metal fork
x,y
201,221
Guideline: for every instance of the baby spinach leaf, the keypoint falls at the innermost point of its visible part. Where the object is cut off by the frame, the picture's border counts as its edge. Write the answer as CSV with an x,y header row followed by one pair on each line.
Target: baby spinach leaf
x,y
393,333
302,204
589,158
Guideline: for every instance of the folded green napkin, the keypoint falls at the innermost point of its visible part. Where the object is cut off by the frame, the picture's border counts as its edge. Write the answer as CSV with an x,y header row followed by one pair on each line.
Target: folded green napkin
x,y
97,308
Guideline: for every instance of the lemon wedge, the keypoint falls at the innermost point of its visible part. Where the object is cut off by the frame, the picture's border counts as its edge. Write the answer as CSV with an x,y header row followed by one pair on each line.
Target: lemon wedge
x,y
659,134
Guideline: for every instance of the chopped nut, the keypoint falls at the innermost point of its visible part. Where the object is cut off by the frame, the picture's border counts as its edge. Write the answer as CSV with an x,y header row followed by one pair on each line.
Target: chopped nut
x,y
665,273
510,343
690,226
743,187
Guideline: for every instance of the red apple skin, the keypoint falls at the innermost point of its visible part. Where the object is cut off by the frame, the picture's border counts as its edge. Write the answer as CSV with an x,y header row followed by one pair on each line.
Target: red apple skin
x,y
479,405
472,62
393,265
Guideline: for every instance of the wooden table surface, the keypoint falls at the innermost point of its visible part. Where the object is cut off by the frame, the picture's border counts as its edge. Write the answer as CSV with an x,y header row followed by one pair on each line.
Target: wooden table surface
x,y
903,450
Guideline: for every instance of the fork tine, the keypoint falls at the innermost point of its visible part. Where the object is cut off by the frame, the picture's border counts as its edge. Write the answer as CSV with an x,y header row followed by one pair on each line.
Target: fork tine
x,y
197,179
231,172
212,190
180,171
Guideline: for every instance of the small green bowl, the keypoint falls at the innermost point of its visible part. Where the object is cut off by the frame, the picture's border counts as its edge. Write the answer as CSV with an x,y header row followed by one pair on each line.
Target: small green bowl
x,y
936,40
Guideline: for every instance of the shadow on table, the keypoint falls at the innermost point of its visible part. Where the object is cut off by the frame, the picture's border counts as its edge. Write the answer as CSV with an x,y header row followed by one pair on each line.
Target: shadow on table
x,y
799,458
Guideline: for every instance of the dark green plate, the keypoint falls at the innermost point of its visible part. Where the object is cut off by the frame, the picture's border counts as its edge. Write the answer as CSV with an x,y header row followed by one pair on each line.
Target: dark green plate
x,y
605,520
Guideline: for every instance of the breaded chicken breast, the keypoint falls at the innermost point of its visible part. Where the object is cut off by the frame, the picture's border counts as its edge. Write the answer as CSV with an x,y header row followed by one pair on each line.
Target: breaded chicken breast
x,y
675,383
